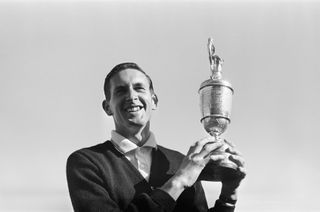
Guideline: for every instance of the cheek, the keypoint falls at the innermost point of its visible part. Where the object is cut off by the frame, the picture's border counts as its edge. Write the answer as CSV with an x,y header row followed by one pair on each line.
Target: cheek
x,y
151,106
116,109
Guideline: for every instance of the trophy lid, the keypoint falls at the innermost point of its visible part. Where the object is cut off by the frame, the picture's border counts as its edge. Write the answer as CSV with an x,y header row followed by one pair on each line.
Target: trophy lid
x,y
212,82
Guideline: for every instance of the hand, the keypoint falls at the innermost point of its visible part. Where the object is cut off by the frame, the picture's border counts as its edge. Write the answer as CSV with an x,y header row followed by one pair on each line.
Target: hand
x,y
197,158
231,183
203,151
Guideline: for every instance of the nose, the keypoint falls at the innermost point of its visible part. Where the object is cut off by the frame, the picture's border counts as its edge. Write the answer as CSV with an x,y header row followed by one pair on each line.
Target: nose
x,y
131,94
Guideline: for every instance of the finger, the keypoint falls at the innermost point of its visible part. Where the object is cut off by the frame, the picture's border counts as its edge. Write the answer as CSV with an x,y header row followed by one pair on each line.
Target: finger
x,y
197,146
233,151
217,158
229,143
237,160
209,148
242,171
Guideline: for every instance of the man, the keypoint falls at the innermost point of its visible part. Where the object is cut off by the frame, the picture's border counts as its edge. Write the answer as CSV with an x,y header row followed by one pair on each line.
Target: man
x,y
131,172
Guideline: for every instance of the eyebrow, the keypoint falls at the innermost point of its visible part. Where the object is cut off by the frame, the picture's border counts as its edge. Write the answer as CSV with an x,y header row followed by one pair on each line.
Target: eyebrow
x,y
137,84
140,84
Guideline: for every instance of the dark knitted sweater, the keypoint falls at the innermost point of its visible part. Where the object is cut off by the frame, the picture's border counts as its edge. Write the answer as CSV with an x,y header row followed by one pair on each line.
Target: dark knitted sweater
x,y
100,179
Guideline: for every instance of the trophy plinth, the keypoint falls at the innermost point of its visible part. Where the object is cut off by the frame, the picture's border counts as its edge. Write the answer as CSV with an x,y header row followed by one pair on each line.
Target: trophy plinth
x,y
220,172
215,104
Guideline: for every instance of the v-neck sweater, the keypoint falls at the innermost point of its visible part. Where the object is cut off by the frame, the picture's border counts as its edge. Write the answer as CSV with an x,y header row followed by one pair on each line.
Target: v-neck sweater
x,y
139,156
100,178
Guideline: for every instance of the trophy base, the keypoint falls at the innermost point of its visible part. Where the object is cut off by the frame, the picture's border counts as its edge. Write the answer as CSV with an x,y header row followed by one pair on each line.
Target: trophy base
x,y
220,172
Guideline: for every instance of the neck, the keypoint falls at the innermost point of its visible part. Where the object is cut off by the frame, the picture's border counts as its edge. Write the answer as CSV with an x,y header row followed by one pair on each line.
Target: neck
x,y
137,136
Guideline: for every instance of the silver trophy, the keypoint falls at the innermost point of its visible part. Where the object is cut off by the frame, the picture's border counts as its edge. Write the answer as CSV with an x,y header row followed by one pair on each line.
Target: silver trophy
x,y
215,97
215,104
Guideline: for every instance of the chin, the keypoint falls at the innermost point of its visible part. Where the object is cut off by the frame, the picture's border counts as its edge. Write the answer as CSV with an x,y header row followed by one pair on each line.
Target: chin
x,y
138,122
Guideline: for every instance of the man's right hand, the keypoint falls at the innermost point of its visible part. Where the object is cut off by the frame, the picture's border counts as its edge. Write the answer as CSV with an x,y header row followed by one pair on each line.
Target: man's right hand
x,y
193,163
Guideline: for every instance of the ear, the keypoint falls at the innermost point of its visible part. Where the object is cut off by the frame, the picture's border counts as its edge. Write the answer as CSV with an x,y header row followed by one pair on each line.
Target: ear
x,y
154,101
106,108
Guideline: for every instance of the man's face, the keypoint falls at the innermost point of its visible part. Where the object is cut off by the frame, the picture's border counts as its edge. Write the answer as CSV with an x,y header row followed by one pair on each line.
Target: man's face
x,y
131,101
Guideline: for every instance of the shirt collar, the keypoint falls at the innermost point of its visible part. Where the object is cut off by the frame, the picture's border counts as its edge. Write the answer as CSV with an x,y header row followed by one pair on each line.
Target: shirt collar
x,y
124,145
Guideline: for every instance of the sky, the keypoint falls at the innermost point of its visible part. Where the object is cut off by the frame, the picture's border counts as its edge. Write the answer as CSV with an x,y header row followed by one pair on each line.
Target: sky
x,y
54,56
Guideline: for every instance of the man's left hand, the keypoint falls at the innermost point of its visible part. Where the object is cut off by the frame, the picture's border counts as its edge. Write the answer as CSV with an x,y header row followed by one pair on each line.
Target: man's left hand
x,y
230,185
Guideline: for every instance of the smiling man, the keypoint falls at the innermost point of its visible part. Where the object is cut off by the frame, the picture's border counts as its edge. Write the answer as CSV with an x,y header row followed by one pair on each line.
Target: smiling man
x,y
131,172
130,99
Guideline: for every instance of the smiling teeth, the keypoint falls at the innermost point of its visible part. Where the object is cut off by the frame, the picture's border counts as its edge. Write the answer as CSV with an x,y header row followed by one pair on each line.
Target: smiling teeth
x,y
133,109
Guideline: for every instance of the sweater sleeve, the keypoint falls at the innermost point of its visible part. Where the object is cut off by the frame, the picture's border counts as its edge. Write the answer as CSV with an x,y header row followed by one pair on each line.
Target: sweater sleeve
x,y
220,207
88,194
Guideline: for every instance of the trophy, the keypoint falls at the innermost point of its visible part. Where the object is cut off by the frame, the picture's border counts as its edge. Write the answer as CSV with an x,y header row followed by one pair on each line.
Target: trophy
x,y
215,104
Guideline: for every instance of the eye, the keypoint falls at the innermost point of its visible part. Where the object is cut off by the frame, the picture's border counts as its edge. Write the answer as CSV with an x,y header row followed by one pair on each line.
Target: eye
x,y
140,88
119,90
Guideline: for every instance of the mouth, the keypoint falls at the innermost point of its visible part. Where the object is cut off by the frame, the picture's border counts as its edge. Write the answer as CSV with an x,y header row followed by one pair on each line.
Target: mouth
x,y
133,108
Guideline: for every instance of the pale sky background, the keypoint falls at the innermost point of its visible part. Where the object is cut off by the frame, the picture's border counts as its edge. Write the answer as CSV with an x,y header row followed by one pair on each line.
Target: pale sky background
x,y
54,57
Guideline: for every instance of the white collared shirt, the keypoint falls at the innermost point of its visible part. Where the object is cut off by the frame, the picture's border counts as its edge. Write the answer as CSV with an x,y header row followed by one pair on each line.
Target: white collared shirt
x,y
140,157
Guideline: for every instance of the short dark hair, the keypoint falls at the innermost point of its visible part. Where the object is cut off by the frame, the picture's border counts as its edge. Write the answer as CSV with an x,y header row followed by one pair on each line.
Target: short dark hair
x,y
117,69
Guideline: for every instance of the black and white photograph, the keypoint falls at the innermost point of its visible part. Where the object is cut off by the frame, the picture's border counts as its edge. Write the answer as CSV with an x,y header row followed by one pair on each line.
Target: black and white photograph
x,y
150,105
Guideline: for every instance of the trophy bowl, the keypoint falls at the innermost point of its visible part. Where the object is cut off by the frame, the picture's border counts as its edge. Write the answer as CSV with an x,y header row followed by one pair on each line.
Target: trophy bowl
x,y
215,105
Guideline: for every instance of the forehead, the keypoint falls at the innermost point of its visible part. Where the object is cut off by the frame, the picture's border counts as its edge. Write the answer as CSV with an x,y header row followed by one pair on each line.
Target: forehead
x,y
127,77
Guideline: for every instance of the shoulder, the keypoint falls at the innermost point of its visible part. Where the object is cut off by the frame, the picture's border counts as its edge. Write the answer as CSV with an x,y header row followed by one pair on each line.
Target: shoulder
x,y
92,154
92,150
